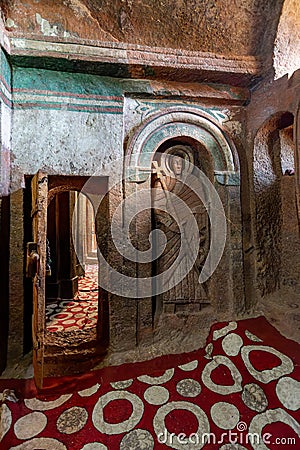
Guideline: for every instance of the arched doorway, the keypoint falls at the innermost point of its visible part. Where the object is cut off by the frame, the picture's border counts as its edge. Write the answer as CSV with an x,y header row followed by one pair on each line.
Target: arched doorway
x,y
60,351
215,154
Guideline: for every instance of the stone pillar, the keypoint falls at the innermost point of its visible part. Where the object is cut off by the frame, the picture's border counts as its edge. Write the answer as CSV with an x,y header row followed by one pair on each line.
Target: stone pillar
x,y
16,277
4,279
140,239
122,310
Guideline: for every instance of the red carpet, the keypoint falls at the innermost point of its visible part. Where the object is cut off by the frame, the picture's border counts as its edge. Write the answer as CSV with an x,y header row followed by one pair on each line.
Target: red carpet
x,y
79,313
245,387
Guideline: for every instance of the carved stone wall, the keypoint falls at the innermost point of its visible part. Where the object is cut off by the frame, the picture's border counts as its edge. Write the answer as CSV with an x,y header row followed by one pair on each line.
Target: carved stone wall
x,y
287,43
5,124
267,176
274,149
197,128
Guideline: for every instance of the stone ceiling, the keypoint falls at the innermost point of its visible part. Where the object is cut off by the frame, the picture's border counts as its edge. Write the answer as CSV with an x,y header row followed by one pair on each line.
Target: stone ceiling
x,y
237,42
226,27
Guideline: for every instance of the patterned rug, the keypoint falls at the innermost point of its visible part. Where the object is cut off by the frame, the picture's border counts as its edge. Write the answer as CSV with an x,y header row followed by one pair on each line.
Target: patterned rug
x,y
241,392
79,313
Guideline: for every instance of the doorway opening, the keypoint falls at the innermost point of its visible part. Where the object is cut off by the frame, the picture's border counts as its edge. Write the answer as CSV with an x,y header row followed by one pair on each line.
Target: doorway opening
x,y
72,292
61,279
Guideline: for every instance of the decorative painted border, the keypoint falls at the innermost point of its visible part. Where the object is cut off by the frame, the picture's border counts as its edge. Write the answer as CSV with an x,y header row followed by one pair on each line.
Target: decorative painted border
x,y
42,99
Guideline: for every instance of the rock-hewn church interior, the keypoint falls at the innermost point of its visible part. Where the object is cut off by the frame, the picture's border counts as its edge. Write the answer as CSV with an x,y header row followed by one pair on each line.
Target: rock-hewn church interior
x,y
149,223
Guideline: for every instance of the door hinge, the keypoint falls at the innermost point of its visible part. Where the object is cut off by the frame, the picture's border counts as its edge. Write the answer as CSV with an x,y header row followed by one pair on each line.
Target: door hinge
x,y
32,259
36,344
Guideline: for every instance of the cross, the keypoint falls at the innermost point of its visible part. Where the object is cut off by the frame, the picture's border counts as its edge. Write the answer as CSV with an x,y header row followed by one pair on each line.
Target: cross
x,y
158,170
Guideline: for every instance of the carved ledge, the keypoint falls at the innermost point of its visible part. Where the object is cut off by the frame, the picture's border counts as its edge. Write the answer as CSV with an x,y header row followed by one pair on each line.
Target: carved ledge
x,y
133,61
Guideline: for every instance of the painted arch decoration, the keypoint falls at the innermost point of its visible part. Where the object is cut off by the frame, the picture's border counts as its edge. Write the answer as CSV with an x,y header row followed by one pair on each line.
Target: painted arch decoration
x,y
177,122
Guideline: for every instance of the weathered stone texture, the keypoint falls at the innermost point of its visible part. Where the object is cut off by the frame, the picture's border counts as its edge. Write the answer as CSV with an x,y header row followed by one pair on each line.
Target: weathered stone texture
x,y
290,248
5,124
287,42
270,117
104,96
4,279
64,143
267,173
244,28
16,274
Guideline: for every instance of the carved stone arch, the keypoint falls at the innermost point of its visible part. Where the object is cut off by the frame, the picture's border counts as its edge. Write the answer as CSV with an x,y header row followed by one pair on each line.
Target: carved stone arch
x,y
204,134
175,122
60,184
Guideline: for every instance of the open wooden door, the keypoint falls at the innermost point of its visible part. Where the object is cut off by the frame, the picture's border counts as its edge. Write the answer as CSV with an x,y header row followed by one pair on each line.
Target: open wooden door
x,y
39,188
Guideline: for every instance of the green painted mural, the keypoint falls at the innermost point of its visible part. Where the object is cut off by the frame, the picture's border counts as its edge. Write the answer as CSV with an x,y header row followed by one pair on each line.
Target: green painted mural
x,y
5,79
36,88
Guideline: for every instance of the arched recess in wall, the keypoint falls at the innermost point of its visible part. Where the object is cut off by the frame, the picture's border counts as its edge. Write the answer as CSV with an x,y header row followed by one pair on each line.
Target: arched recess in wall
x,y
180,122
197,128
274,193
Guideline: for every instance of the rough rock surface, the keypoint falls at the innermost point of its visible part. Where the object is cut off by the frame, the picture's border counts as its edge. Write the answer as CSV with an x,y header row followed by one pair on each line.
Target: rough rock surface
x,y
247,27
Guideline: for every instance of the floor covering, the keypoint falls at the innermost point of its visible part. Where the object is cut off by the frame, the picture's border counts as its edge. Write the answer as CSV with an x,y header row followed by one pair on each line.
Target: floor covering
x,y
80,312
242,391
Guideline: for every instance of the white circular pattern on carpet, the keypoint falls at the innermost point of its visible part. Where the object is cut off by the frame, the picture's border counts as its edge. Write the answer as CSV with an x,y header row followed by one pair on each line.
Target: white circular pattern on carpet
x,y
121,384
172,440
288,393
217,334
122,427
79,315
68,322
6,420
252,336
232,344
156,395
225,415
267,375
137,440
188,388
72,420
38,405
270,416
94,446
189,366
89,391
30,425
40,444
61,316
219,388
157,380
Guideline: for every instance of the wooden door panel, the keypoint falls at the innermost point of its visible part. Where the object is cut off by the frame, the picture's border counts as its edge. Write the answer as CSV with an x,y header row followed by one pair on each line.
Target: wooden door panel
x,y
39,188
